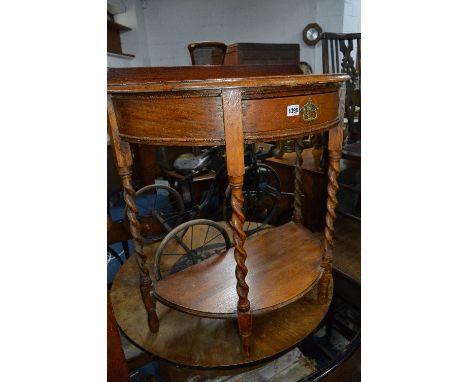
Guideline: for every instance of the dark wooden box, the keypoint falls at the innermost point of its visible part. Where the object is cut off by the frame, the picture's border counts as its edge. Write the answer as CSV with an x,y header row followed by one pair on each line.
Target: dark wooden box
x,y
258,53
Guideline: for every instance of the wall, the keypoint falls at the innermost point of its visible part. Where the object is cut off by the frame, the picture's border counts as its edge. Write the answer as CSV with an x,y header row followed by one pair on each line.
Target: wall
x,y
171,25
330,18
352,16
163,30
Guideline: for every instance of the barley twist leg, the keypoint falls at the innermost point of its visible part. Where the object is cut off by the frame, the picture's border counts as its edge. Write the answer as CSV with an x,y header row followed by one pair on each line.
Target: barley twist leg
x,y
297,217
240,255
327,259
146,284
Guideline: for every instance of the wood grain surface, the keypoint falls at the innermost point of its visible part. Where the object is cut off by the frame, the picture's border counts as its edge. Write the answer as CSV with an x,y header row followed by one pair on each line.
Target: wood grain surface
x,y
194,341
117,76
117,369
194,117
234,136
211,77
182,105
197,119
335,141
280,272
262,54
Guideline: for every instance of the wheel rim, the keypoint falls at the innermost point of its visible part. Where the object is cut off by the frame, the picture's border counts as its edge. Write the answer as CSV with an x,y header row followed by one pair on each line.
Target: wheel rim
x,y
157,204
189,244
261,197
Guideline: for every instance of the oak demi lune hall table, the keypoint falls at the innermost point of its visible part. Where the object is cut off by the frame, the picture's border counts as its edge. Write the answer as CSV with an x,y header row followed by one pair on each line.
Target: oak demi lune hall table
x,y
274,286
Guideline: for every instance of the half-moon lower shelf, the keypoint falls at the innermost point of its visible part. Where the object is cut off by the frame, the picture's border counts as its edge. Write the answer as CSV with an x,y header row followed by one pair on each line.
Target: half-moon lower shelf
x,y
199,342
279,272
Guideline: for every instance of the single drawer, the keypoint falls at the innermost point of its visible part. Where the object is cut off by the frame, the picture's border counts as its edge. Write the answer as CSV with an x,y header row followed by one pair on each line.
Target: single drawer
x,y
275,118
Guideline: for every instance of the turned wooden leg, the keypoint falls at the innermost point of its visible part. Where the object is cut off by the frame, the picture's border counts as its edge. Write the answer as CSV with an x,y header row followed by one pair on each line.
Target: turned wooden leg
x,y
234,135
335,143
146,284
332,187
123,157
244,320
297,215
243,305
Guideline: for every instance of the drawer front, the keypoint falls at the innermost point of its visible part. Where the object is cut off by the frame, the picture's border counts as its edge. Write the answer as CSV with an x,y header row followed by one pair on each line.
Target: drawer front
x,y
270,118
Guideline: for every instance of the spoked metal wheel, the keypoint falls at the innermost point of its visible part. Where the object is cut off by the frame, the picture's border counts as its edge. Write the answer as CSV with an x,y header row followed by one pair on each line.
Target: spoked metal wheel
x,y
190,243
160,208
262,191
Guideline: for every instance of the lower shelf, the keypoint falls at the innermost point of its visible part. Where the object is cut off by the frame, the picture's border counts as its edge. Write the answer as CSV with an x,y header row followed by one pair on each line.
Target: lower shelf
x,y
192,341
283,265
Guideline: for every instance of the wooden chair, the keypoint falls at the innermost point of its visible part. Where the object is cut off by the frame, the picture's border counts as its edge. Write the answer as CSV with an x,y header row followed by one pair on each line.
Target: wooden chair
x,y
197,306
207,52
341,53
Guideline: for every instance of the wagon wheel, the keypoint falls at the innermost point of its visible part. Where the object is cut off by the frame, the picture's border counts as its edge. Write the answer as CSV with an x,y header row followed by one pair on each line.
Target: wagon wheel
x,y
262,191
157,205
190,243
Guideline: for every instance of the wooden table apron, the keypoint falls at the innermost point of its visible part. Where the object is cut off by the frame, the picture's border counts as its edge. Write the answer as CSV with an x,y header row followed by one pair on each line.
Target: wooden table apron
x,y
190,115
183,106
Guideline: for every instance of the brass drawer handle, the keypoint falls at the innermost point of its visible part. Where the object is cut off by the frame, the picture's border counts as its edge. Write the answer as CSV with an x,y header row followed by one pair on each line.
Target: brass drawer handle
x,y
309,111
